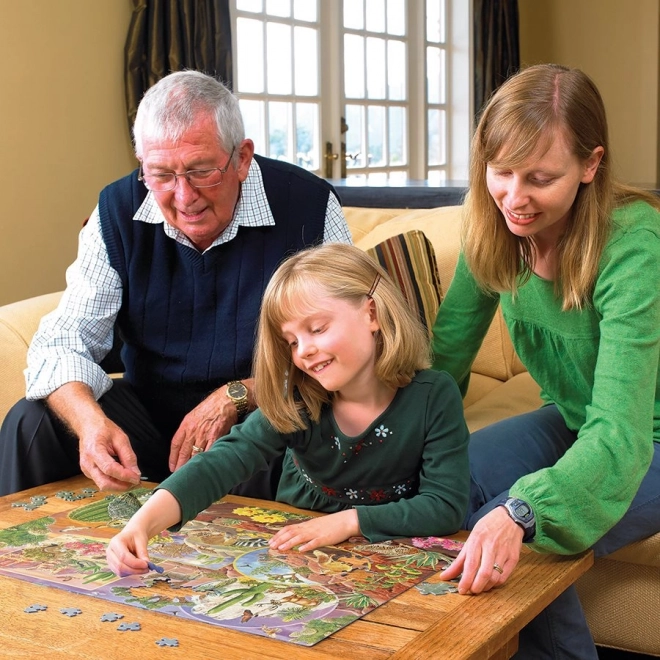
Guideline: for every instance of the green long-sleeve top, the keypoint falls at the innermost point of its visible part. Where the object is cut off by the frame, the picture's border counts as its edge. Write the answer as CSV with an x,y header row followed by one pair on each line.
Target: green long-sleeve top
x,y
406,475
598,365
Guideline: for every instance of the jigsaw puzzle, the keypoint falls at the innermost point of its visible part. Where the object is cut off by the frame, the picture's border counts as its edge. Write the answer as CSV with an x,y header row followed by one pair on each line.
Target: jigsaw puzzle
x,y
219,569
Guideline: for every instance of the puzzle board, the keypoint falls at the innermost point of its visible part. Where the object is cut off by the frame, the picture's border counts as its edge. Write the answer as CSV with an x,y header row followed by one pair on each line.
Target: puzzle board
x,y
218,569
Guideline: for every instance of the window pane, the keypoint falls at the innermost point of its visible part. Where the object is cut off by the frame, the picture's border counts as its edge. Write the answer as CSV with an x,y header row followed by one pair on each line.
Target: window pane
x,y
376,15
253,118
398,177
305,59
304,10
436,177
279,119
279,58
354,14
435,70
307,135
397,130
353,66
376,135
375,68
249,5
435,21
436,128
354,136
396,70
396,17
250,55
278,7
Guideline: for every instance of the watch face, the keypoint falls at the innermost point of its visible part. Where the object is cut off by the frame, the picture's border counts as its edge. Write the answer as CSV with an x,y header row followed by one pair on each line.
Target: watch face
x,y
236,390
522,509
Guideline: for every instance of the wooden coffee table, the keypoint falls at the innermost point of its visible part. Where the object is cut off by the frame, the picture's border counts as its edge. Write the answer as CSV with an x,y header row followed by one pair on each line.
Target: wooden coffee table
x,y
409,626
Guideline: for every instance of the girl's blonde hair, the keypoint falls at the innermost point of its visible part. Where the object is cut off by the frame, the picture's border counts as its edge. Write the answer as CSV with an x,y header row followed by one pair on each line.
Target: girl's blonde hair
x,y
529,111
286,395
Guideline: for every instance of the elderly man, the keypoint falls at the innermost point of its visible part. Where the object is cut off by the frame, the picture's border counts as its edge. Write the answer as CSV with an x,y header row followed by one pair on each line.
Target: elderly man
x,y
175,258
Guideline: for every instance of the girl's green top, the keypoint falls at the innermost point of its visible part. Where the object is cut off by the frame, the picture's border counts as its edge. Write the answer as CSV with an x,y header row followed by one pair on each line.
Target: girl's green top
x,y
599,365
406,475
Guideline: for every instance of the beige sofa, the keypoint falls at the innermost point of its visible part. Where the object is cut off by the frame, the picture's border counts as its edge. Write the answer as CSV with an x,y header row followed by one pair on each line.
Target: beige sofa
x,y
621,593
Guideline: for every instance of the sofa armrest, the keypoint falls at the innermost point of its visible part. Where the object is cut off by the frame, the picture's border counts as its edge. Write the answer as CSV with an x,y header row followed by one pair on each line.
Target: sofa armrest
x,y
18,323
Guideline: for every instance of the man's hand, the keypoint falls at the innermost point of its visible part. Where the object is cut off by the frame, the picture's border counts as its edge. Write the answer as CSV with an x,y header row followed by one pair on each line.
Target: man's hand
x,y
203,425
495,540
317,532
106,455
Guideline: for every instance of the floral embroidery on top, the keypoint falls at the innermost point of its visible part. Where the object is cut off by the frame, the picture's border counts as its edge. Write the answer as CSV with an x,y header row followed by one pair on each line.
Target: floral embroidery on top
x,y
382,431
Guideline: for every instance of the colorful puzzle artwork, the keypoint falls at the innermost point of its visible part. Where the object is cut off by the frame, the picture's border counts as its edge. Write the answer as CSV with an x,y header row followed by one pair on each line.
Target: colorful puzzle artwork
x,y
219,569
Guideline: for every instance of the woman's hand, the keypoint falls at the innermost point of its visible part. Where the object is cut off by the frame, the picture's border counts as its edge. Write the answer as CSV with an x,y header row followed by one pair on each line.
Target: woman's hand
x,y
495,541
317,532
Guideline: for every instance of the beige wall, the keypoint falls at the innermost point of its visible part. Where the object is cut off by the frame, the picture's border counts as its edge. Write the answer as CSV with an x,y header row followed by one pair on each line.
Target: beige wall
x,y
616,43
63,131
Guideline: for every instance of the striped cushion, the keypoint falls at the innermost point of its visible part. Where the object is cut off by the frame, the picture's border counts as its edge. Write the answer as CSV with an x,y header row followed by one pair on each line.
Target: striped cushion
x,y
409,259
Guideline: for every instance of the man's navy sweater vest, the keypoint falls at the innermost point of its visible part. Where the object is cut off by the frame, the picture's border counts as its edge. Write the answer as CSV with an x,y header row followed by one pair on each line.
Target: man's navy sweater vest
x,y
188,320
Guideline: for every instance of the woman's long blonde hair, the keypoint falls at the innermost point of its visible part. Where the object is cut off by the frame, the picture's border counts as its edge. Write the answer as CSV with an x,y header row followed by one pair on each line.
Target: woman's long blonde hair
x,y
524,115
285,395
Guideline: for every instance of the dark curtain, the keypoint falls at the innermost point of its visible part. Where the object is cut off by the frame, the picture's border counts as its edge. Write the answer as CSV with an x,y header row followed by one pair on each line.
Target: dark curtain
x,y
171,35
496,46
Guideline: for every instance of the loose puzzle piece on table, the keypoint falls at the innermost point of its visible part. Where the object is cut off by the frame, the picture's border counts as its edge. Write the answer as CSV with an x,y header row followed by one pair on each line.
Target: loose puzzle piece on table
x,y
219,569
167,641
134,626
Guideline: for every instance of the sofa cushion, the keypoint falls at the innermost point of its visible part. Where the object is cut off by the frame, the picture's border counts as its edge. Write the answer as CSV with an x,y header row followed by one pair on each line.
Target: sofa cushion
x,y
410,261
441,226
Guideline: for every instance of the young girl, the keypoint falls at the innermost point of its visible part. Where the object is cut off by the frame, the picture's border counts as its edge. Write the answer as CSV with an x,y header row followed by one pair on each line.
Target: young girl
x,y
371,435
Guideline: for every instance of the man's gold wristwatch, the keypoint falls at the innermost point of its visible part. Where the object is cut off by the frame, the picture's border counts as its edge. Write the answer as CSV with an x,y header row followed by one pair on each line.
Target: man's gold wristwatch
x,y
238,393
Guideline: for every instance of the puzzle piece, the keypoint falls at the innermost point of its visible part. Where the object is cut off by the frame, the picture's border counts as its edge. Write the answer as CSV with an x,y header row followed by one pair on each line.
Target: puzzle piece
x,y
38,499
437,588
70,611
129,626
167,641
122,507
111,616
35,608
155,567
65,495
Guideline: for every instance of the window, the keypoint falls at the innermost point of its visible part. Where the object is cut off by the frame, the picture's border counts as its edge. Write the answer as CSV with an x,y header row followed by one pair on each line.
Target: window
x,y
376,89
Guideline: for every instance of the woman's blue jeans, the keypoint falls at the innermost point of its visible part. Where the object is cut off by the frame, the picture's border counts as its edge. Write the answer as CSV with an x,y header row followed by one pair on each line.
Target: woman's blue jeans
x,y
502,453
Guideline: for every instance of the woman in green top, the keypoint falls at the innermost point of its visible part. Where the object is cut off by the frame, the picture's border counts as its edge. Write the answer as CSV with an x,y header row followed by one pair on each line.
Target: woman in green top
x,y
573,259
372,436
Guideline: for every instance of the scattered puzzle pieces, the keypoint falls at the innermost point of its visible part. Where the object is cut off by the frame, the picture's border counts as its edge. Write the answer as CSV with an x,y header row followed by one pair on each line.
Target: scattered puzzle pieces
x,y
167,641
35,608
111,616
129,626
70,611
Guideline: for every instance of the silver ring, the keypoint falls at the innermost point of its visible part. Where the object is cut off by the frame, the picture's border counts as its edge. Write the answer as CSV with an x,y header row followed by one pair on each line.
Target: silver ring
x,y
196,450
498,568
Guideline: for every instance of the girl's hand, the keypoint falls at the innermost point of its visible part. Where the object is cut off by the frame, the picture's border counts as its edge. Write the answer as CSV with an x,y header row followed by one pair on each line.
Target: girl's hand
x,y
127,552
311,534
495,540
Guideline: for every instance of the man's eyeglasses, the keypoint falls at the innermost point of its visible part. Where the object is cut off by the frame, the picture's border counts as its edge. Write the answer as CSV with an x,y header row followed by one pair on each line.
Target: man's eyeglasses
x,y
166,181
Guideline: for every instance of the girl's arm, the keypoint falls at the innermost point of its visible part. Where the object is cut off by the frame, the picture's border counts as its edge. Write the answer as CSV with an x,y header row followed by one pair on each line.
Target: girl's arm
x,y
127,551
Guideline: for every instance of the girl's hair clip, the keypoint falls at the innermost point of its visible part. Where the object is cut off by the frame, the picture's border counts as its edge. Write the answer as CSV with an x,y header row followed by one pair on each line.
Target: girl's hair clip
x,y
373,286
